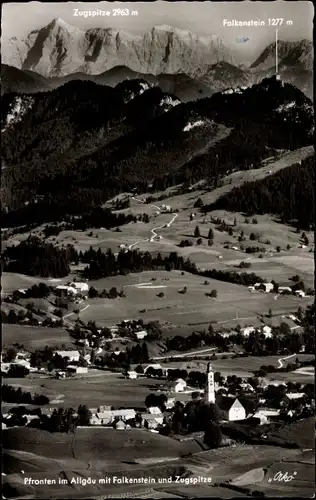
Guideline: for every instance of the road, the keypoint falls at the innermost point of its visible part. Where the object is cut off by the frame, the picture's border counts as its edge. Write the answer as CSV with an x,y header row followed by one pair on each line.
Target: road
x,y
153,231
72,313
195,353
281,360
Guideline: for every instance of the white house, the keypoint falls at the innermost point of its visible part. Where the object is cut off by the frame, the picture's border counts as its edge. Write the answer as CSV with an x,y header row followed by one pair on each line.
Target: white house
x,y
66,289
106,417
77,369
293,395
141,334
267,331
267,287
247,330
80,287
151,421
132,374
180,385
72,355
284,289
170,403
231,408
300,293
120,426
155,366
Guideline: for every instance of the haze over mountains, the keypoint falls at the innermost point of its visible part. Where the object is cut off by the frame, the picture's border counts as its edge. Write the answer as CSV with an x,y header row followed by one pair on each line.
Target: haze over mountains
x,y
178,61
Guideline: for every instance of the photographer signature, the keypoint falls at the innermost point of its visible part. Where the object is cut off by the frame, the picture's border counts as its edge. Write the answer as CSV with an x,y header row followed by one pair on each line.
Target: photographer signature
x,y
283,477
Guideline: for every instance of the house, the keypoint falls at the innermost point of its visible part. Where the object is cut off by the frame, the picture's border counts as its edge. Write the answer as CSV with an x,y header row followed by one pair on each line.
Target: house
x,y
132,374
141,334
235,248
231,408
150,421
299,293
266,287
267,331
180,385
82,288
107,417
284,289
154,366
290,396
247,330
77,369
120,426
66,290
170,403
154,410
72,355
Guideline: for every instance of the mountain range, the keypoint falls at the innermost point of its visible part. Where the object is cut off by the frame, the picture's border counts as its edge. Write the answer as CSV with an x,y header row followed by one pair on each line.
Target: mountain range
x,y
177,61
72,148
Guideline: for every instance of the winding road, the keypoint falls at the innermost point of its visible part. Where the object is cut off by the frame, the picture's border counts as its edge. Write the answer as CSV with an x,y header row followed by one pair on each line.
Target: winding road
x,y
153,231
281,360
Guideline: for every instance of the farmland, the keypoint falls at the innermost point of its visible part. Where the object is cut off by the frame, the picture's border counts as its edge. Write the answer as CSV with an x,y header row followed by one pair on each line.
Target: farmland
x,y
35,337
94,389
244,367
233,305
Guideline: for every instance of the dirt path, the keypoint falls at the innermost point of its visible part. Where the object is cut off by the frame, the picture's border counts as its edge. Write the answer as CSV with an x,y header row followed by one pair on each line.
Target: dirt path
x,y
281,360
153,231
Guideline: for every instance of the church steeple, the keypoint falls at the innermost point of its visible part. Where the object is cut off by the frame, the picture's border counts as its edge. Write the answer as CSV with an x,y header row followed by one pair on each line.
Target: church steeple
x,y
210,386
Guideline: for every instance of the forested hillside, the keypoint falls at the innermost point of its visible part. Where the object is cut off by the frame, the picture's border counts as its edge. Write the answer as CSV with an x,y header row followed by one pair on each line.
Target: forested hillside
x,y
71,149
290,193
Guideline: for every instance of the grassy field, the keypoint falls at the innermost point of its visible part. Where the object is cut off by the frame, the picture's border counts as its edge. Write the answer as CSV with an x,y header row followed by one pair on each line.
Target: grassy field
x,y
91,452
93,389
35,337
233,305
243,367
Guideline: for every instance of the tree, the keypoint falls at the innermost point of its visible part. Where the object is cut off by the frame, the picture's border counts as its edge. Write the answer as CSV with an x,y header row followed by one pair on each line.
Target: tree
x,y
213,293
199,203
210,234
197,233
213,435
10,355
84,415
199,241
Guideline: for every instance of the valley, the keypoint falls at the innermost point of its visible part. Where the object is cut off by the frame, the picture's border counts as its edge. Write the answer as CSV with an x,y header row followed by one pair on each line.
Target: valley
x,y
157,256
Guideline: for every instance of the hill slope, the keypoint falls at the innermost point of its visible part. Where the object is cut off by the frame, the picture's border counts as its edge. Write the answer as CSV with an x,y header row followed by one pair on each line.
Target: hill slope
x,y
281,193
70,149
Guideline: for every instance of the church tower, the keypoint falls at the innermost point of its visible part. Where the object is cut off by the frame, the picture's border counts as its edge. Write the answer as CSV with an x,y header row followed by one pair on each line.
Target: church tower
x,y
210,386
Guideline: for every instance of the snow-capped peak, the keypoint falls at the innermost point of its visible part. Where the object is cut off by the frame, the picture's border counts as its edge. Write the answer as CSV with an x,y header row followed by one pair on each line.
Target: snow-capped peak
x,y
191,125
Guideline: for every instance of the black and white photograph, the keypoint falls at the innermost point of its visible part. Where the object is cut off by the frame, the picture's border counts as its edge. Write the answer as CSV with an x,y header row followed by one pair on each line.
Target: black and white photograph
x,y
157,250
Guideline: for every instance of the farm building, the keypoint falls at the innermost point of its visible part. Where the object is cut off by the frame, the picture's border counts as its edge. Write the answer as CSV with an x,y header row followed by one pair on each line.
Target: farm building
x,y
290,396
107,417
80,287
151,421
300,293
141,334
120,425
132,374
180,385
267,331
71,355
284,289
155,366
170,403
247,330
231,408
266,287
77,369
70,291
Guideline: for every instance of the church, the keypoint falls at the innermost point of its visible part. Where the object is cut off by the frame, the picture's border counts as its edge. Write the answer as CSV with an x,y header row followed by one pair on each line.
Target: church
x,y
231,408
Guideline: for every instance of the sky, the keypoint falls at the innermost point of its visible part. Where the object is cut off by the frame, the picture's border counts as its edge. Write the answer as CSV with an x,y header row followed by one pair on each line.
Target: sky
x,y
201,18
